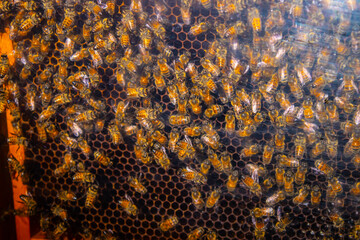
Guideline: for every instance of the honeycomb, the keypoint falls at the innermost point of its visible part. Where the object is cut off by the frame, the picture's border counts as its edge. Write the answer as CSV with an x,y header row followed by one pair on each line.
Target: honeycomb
x,y
168,194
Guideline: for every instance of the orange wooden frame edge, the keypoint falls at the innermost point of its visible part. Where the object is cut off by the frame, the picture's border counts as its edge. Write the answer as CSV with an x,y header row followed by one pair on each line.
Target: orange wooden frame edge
x,y
22,223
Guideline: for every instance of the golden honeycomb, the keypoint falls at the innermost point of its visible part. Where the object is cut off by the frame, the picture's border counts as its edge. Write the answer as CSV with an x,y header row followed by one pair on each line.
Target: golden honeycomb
x,y
168,194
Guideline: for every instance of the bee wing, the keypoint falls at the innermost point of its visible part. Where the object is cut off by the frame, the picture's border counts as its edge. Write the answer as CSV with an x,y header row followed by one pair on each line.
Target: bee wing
x,y
354,86
255,176
127,197
189,169
164,150
80,167
340,88
253,220
278,214
188,140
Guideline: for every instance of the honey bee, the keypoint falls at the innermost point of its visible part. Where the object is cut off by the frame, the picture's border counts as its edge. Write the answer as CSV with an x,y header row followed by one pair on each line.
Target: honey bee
x,y
206,97
146,38
41,131
173,93
245,117
46,95
232,181
64,195
256,101
24,74
268,97
102,158
69,17
185,11
169,223
137,185
279,175
289,183
194,102
85,116
263,212
300,145
206,3
160,156
31,97
164,67
283,222
121,109
324,168
142,155
355,190
211,141
213,111
123,35
253,186
211,235
230,122
315,196
128,205
60,212
29,203
284,161
260,227
250,150
282,99
318,149
213,158
226,163
238,28
334,187
159,80
196,198
268,183
91,196
159,137
115,134
96,57
47,113
173,139
196,234
80,55
300,173
254,19
279,141
179,120
213,70
295,87
182,106
157,28
336,219
356,160
16,169
59,231
267,154
62,99
213,199
332,112
62,170
192,175
193,131
28,23
84,176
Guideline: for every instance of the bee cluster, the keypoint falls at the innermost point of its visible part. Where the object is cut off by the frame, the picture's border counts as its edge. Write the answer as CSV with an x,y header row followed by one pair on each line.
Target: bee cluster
x,y
242,116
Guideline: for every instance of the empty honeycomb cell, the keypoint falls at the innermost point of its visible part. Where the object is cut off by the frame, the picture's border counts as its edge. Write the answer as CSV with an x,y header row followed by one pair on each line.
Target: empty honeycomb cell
x,y
187,44
196,45
176,11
